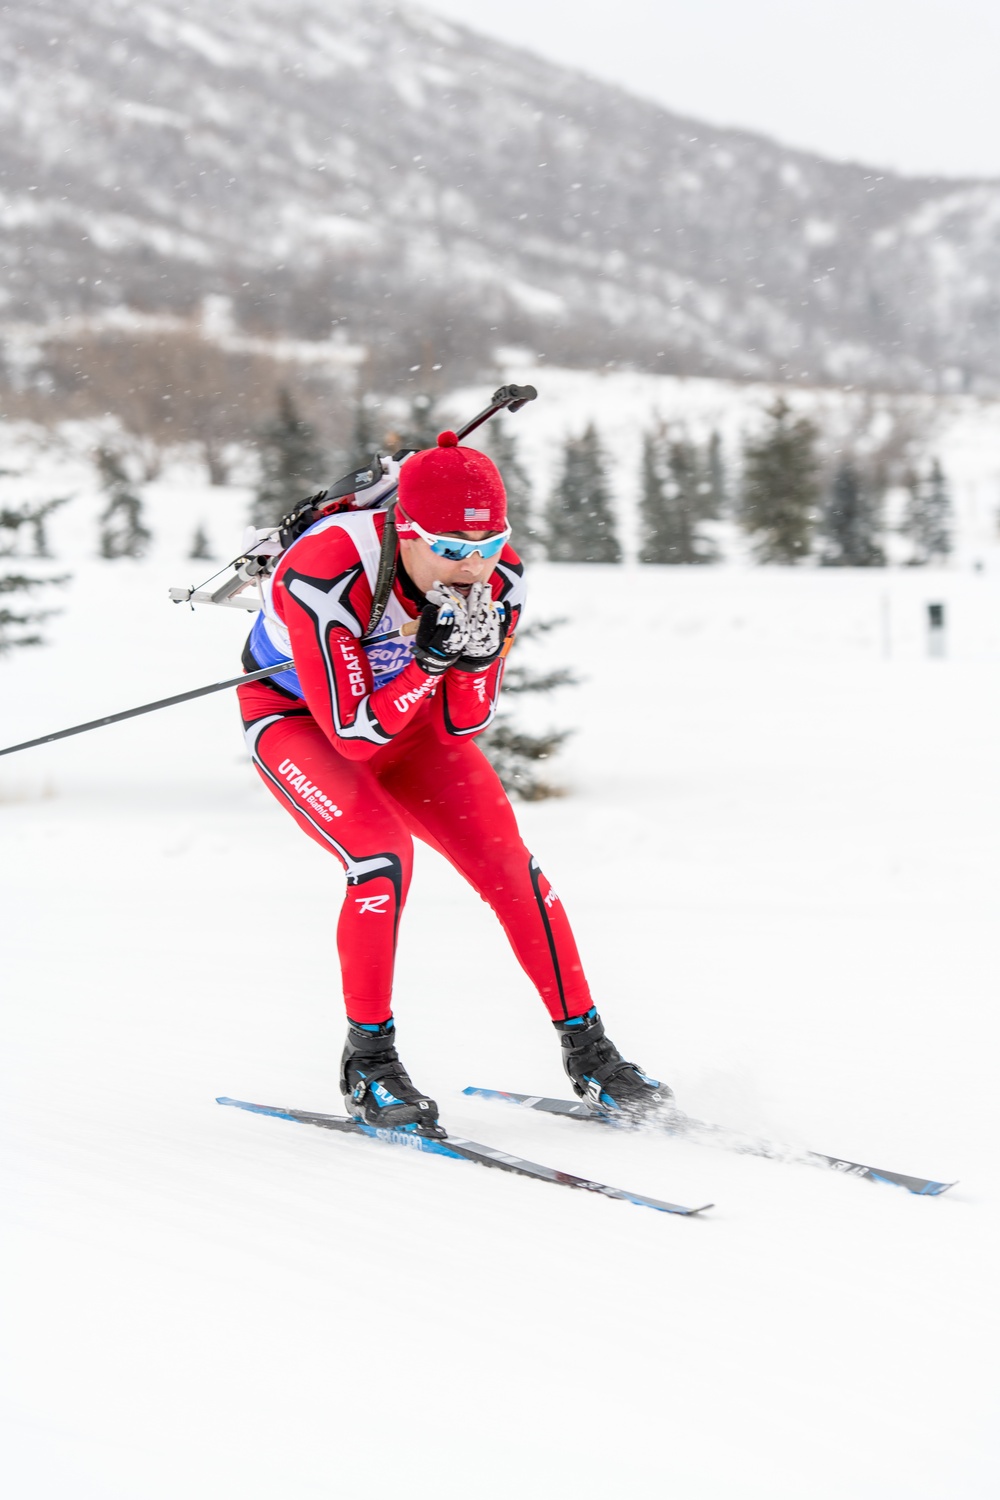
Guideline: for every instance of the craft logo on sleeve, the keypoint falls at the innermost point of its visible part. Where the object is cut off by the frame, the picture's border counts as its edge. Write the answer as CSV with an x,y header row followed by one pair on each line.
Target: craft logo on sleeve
x,y
355,674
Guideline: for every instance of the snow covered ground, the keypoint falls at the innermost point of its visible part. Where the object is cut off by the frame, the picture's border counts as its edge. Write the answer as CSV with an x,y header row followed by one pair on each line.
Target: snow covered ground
x,y
780,853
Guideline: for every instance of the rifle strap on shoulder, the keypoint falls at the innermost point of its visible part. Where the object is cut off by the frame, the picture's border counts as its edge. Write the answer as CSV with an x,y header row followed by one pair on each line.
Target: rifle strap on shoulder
x,y
386,571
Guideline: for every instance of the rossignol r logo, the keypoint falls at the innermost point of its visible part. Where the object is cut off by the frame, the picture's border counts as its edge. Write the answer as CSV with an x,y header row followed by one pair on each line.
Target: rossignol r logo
x,y
376,904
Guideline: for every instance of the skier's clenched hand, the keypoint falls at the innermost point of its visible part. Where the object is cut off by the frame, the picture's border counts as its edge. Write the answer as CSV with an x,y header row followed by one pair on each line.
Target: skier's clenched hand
x,y
486,632
442,631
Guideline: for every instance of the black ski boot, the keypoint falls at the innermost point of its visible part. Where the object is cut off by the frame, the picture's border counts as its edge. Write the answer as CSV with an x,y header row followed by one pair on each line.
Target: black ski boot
x,y
376,1087
600,1074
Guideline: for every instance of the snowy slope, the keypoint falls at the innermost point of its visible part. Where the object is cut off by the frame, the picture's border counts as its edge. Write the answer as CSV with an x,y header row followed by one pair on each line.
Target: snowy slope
x,y
781,857
330,163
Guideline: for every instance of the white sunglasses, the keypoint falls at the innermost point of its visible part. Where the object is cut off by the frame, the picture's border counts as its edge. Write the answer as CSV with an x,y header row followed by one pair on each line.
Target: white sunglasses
x,y
454,548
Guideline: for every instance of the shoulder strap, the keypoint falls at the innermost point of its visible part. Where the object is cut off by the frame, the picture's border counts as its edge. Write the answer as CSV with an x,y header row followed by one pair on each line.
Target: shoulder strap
x,y
386,571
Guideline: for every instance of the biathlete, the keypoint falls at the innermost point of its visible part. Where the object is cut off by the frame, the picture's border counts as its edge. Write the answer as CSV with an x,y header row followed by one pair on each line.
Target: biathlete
x,y
370,742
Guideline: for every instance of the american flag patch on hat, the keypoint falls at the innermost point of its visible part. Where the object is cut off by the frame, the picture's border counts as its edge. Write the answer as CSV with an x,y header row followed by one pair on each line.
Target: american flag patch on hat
x,y
473,513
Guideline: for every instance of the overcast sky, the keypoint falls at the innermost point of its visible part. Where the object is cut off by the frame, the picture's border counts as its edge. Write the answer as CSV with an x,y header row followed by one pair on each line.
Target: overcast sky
x,y
906,84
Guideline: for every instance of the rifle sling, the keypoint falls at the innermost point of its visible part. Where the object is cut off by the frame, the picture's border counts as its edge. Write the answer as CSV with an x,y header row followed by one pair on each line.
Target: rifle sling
x,y
386,572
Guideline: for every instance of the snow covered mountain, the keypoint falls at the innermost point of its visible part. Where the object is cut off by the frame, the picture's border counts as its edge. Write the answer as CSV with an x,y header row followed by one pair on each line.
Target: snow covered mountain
x,y
324,162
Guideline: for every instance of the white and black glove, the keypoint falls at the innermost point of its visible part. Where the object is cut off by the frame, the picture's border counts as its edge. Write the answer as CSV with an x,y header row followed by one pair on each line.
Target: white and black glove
x,y
486,630
442,631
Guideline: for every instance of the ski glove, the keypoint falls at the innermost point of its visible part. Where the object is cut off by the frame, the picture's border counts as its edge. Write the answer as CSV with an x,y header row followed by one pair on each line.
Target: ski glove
x,y
442,631
487,630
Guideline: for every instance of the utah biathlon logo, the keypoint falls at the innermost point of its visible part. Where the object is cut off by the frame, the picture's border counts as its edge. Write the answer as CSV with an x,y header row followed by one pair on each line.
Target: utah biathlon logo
x,y
309,791
407,700
377,904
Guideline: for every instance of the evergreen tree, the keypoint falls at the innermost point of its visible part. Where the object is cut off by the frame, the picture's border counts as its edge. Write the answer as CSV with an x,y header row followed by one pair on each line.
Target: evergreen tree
x,y
851,523
655,541
13,621
579,516
36,517
18,625
780,487
927,521
291,464
513,753
672,502
525,535
201,550
122,533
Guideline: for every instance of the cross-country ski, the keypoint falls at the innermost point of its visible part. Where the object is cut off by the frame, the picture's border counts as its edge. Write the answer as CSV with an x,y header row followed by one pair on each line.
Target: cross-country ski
x,y
460,1149
675,1122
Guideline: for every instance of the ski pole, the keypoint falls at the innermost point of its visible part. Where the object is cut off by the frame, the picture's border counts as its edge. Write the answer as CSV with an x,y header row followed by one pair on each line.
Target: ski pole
x,y
148,708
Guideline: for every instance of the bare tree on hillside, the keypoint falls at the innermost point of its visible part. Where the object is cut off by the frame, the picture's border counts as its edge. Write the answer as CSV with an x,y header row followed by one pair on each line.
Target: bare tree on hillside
x,y
177,386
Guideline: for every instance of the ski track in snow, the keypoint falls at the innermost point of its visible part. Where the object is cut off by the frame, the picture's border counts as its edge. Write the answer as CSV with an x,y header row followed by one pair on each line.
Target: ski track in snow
x,y
781,859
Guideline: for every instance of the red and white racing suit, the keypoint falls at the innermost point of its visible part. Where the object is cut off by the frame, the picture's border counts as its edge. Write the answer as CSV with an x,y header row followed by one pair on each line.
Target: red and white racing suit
x,y
366,751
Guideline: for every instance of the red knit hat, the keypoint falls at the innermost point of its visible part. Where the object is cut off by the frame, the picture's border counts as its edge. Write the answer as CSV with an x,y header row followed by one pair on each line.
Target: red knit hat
x,y
449,488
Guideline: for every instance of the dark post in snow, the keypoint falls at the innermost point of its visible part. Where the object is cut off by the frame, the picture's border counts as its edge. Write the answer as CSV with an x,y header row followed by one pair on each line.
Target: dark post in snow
x,y
935,630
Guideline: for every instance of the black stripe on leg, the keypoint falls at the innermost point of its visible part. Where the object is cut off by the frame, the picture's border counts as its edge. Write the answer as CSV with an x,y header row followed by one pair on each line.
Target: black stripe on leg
x,y
536,875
